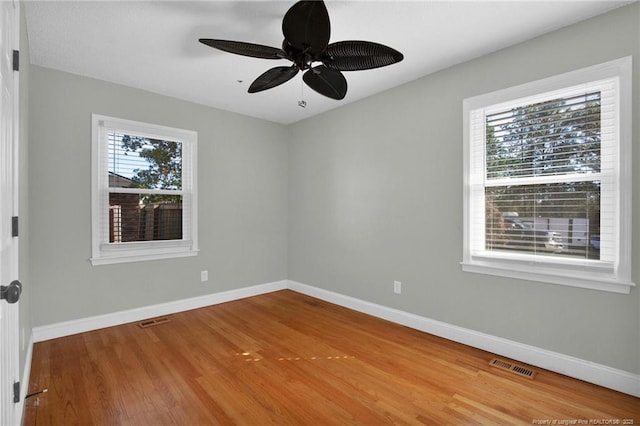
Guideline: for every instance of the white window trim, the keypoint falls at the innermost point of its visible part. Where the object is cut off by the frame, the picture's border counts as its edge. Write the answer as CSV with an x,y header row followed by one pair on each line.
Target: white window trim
x,y
585,274
102,251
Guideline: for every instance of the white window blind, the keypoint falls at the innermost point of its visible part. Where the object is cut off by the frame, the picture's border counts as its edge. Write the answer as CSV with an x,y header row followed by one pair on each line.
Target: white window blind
x,y
144,199
546,180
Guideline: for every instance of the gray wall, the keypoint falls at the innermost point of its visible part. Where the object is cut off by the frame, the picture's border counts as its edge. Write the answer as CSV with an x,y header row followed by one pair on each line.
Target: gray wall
x,y
375,195
242,177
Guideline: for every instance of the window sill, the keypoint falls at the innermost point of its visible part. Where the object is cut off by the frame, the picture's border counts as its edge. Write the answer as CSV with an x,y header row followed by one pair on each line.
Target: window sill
x,y
142,251
572,278
140,258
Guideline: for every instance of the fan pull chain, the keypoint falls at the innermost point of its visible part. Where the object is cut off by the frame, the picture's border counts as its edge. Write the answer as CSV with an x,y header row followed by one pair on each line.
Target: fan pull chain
x,y
302,103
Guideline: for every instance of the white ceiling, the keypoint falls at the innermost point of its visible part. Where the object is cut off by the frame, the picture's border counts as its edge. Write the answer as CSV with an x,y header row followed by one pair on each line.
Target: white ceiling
x,y
153,45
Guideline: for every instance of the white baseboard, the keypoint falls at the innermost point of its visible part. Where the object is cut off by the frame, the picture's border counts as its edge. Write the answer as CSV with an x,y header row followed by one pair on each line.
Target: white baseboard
x,y
591,372
68,328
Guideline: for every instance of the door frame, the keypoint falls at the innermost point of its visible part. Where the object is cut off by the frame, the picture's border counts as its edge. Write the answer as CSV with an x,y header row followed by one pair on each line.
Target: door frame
x,y
10,398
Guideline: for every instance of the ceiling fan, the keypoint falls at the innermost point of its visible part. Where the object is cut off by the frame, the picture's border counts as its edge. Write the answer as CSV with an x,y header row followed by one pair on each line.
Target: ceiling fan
x,y
307,30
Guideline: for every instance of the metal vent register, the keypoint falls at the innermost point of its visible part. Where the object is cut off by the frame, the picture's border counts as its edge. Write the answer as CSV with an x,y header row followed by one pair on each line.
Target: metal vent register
x,y
153,321
513,368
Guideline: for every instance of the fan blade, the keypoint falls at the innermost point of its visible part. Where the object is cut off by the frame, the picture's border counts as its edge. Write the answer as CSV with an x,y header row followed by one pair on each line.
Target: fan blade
x,y
306,27
355,55
272,78
327,82
245,49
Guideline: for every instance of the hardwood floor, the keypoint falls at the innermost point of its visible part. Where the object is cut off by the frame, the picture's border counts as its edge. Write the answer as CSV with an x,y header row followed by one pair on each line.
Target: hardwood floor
x,y
286,358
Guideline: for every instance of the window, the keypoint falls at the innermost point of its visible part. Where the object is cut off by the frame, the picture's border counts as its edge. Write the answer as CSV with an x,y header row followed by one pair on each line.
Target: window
x,y
547,185
144,203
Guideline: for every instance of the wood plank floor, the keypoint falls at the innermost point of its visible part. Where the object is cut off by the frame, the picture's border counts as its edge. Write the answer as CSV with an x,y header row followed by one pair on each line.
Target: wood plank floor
x,y
285,358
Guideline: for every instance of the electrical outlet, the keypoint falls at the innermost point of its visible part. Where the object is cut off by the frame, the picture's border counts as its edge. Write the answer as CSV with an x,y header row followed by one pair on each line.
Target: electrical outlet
x,y
397,287
204,276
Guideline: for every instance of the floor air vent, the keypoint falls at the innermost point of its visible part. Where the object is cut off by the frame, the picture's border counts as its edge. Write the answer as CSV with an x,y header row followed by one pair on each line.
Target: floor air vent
x,y
513,368
153,321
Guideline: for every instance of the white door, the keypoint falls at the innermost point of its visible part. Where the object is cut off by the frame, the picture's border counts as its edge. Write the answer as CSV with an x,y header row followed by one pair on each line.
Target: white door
x,y
9,340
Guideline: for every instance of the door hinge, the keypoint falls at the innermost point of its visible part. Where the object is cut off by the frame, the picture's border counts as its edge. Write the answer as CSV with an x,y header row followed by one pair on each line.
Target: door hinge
x,y
16,392
14,226
16,60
